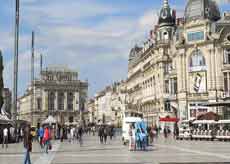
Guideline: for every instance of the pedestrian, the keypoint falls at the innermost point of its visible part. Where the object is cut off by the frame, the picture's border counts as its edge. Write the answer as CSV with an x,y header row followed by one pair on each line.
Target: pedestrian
x,y
80,134
176,131
27,142
111,132
46,139
21,134
72,131
165,132
93,130
138,139
5,137
151,134
68,135
41,134
132,143
144,140
105,134
61,134
100,134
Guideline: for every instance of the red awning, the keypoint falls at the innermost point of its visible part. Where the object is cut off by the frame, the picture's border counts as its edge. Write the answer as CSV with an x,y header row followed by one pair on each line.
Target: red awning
x,y
169,119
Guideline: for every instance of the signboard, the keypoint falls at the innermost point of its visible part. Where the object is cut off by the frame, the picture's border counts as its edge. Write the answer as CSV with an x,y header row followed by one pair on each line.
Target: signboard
x,y
198,82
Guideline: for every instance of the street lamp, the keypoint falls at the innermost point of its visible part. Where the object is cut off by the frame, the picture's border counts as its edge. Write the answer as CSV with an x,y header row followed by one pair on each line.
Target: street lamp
x,y
16,41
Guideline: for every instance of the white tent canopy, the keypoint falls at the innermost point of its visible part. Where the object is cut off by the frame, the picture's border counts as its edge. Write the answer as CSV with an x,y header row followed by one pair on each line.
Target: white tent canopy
x,y
50,120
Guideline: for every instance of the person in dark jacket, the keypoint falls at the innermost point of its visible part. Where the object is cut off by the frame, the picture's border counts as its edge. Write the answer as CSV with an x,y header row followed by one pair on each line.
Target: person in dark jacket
x,y
27,142
80,134
100,134
105,134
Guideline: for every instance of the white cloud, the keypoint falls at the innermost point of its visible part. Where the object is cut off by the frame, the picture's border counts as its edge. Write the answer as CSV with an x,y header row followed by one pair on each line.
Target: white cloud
x,y
222,1
85,35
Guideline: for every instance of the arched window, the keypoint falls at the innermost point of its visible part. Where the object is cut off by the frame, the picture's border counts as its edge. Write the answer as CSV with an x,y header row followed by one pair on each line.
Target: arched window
x,y
197,61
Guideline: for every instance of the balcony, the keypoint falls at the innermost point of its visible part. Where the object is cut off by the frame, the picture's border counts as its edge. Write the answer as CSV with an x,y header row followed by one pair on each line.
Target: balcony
x,y
170,96
226,94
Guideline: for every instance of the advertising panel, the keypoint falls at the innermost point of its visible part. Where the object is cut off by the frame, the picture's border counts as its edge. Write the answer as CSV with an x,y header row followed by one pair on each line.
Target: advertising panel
x,y
198,82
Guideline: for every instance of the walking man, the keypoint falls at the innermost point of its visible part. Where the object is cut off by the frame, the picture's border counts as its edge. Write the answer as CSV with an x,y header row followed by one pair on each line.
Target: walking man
x,y
105,133
80,133
5,138
41,134
27,142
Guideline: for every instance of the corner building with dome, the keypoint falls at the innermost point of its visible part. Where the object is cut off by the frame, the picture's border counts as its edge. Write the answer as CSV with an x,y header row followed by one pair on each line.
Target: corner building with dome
x,y
184,66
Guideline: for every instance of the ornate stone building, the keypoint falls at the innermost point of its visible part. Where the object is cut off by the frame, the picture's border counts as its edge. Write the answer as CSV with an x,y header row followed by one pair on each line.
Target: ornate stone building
x,y
109,105
58,92
184,65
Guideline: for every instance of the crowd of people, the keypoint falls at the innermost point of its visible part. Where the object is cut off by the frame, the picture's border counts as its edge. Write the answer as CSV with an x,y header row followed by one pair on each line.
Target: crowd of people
x,y
104,131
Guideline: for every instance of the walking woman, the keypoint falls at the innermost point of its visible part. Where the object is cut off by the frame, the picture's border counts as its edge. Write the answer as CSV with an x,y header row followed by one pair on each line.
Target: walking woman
x,y
46,139
27,142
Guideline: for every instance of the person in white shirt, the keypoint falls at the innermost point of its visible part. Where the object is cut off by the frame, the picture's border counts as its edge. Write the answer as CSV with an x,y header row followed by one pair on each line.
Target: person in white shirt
x,y
72,131
5,138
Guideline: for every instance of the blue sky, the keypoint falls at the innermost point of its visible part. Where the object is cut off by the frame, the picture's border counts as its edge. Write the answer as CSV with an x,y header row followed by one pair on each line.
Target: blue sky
x,y
91,36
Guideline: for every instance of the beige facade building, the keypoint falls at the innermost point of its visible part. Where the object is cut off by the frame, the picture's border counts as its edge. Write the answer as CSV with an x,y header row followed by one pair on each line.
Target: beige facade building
x,y
184,65
58,92
109,105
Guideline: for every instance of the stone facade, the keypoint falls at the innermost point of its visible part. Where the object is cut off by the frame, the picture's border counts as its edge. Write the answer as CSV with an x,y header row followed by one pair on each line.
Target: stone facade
x,y
58,92
184,64
109,105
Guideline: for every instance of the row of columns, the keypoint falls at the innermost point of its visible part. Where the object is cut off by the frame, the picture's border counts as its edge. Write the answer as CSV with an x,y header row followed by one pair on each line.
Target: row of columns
x,y
75,102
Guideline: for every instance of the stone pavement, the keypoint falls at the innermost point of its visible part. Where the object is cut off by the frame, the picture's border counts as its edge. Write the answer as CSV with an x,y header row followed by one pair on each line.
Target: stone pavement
x,y
163,151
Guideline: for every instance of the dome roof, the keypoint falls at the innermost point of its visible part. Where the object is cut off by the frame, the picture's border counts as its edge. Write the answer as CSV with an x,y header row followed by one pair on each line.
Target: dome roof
x,y
201,9
167,16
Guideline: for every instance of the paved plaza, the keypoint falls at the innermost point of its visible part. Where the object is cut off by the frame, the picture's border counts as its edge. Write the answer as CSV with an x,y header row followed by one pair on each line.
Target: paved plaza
x,y
163,151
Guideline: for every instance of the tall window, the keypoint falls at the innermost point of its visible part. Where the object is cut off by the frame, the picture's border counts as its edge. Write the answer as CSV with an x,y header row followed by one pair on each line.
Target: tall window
x,y
173,85
61,98
226,81
168,67
197,61
70,101
227,56
167,106
166,86
39,103
51,101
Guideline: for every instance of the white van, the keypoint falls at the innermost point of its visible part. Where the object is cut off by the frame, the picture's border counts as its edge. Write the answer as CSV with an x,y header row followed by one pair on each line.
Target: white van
x,y
126,125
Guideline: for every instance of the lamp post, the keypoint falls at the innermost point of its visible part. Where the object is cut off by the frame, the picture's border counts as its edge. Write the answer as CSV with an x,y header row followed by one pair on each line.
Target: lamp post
x,y
16,41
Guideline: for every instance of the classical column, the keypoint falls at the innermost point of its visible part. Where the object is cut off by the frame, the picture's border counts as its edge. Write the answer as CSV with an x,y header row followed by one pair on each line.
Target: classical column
x,y
45,100
56,101
213,69
209,72
182,71
65,101
185,72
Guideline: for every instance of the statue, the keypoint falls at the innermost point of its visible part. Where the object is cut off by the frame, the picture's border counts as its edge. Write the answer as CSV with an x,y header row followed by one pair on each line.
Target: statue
x,y
1,83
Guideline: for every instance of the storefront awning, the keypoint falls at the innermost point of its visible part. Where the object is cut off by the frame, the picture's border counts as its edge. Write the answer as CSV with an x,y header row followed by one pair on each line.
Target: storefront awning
x,y
169,119
214,104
